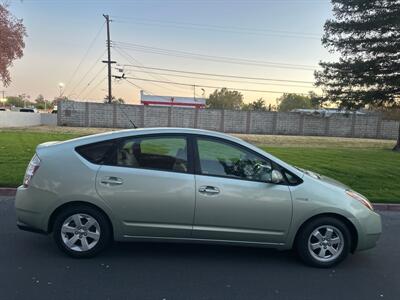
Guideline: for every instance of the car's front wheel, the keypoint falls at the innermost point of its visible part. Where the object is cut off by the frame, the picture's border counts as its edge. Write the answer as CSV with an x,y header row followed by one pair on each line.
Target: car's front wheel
x,y
323,242
81,231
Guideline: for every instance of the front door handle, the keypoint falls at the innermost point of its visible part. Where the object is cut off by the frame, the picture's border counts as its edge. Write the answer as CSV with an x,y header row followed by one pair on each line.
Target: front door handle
x,y
210,190
112,181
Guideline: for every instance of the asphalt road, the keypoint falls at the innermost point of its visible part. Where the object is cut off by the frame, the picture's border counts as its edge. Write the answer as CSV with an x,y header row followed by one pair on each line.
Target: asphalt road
x,y
31,267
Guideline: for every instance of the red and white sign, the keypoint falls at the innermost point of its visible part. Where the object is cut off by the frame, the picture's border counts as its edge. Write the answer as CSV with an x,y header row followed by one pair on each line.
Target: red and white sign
x,y
172,101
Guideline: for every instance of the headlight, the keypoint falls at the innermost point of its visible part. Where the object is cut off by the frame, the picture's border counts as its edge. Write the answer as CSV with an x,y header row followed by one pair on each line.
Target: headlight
x,y
360,198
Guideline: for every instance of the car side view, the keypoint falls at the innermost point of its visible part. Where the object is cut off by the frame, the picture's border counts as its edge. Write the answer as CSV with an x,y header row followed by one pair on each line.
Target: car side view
x,y
190,185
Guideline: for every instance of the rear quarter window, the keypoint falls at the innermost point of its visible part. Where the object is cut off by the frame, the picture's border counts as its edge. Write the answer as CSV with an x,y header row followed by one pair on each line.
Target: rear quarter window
x,y
96,153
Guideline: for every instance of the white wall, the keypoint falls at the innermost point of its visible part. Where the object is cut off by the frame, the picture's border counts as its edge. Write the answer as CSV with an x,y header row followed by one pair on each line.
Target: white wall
x,y
22,119
48,119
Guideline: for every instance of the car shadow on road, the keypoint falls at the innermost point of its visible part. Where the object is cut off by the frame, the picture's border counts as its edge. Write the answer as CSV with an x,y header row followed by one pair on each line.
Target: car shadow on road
x,y
195,251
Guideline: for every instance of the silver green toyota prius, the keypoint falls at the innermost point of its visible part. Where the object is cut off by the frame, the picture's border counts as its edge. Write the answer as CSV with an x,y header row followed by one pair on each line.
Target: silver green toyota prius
x,y
189,185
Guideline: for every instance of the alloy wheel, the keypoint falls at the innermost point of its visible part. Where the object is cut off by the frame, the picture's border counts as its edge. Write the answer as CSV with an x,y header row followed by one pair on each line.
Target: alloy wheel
x,y
80,232
325,243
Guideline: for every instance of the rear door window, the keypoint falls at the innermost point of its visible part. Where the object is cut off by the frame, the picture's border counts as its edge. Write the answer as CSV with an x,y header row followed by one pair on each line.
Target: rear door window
x,y
166,153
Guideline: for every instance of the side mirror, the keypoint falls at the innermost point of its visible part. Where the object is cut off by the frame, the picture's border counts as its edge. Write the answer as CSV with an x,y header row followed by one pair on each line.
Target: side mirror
x,y
276,176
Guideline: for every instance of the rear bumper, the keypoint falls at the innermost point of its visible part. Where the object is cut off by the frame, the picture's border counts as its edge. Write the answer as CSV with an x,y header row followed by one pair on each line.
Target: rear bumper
x,y
25,227
31,209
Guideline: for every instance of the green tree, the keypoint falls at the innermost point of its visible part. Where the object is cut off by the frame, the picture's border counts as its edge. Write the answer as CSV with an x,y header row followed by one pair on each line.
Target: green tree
x,y
12,33
19,101
288,102
15,101
225,99
42,103
315,100
258,105
114,100
366,34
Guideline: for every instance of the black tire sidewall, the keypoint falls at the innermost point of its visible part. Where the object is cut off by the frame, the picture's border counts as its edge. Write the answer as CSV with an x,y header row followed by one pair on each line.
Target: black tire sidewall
x,y
302,241
105,230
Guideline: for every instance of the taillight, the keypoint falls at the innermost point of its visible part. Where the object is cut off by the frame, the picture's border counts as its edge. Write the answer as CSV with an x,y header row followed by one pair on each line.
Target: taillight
x,y
31,170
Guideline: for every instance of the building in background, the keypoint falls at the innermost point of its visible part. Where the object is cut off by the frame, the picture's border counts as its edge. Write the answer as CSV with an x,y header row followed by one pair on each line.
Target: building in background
x,y
172,101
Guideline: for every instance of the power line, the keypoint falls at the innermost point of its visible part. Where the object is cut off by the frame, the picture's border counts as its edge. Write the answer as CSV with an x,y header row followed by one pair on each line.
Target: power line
x,y
84,56
91,81
218,75
185,54
225,80
130,58
87,73
147,91
213,28
94,87
87,94
191,55
210,86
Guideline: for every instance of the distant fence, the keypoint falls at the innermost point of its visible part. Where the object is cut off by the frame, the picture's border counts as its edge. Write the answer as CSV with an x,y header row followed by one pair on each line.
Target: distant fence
x,y
21,119
85,114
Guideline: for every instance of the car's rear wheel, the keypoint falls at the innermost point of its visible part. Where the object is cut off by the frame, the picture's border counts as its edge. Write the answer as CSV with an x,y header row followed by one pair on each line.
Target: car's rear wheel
x,y
81,231
323,242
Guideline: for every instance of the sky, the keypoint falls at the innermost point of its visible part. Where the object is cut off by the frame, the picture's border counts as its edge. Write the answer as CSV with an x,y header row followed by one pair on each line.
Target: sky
x,y
66,44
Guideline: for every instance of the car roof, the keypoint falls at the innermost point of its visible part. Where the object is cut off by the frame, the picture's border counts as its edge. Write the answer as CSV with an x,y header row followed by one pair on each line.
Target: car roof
x,y
143,131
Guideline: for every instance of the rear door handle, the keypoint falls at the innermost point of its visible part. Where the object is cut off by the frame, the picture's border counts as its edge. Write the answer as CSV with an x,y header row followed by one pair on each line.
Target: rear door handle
x,y
210,190
112,181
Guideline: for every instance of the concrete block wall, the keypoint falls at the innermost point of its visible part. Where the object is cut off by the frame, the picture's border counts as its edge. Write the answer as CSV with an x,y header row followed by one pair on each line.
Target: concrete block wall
x,y
183,117
210,119
71,113
123,115
340,125
117,116
367,127
100,115
288,124
312,125
235,121
263,122
156,116
389,129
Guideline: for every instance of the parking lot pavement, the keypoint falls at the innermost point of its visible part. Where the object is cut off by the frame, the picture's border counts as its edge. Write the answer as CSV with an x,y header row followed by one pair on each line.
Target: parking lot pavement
x,y
31,267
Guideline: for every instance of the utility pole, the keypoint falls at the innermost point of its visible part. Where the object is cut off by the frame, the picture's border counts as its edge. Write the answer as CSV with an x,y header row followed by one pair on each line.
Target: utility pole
x,y
108,61
3,99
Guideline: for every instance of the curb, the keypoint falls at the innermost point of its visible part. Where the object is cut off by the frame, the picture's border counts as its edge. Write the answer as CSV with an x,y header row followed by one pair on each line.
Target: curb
x,y
387,206
9,192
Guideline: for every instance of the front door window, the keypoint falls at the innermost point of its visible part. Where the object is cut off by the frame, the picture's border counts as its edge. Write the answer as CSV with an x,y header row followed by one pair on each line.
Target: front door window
x,y
218,158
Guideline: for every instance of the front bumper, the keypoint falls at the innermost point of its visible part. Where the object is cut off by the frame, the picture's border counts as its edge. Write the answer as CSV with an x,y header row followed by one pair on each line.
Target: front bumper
x,y
369,230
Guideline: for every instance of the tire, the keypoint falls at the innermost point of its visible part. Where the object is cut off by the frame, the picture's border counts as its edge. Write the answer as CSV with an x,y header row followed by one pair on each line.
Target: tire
x,y
82,231
323,242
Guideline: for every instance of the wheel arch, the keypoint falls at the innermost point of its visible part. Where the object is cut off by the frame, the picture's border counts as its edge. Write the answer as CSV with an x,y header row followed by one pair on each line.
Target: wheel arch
x,y
346,221
60,208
